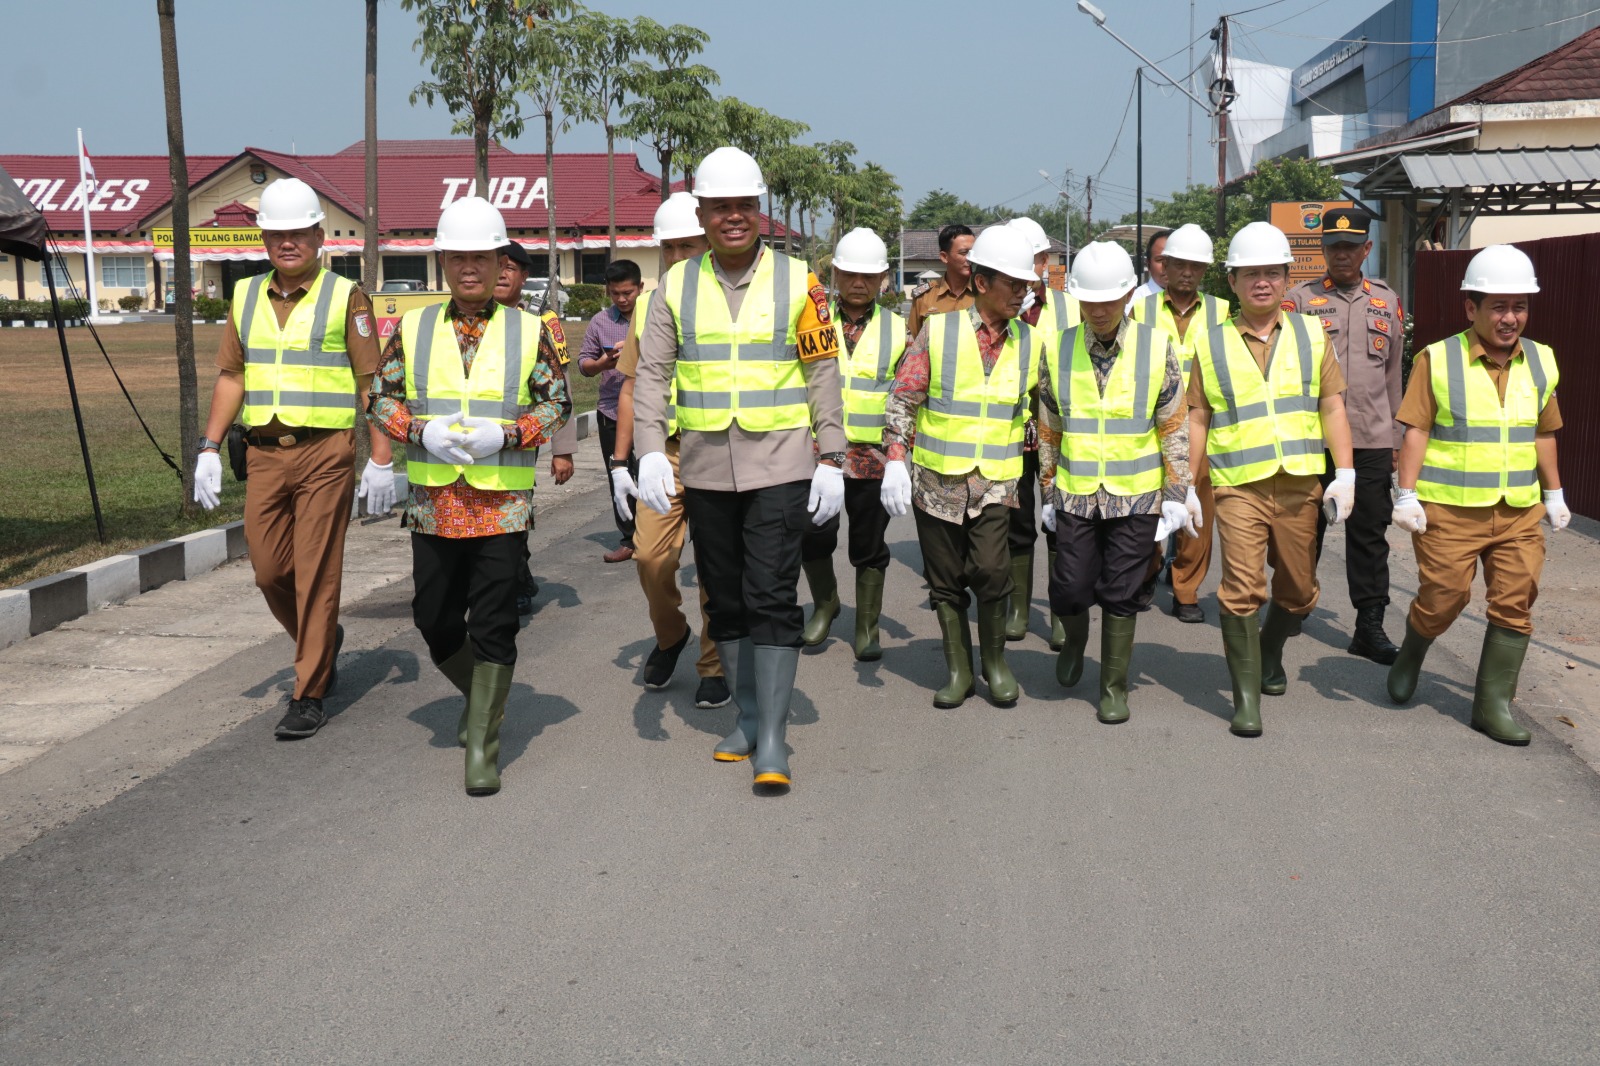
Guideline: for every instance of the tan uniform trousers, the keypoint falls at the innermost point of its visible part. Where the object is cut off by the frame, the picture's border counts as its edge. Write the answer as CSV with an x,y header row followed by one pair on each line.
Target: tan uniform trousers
x,y
296,507
1193,560
657,548
1272,522
1510,543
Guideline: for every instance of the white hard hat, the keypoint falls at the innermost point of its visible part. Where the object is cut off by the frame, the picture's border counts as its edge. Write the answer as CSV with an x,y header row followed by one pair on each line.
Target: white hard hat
x,y
1033,231
471,224
1259,244
1006,250
676,218
1500,268
862,252
288,203
1102,271
728,172
1190,243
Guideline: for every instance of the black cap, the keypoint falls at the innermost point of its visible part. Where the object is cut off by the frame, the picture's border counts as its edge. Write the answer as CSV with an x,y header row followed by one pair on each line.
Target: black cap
x,y
1345,224
518,254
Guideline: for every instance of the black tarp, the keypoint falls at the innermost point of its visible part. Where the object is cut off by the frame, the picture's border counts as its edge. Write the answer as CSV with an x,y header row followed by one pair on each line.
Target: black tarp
x,y
21,225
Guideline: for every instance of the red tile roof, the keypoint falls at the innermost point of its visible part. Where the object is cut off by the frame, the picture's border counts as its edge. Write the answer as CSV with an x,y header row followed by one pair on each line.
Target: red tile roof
x,y
1571,72
129,187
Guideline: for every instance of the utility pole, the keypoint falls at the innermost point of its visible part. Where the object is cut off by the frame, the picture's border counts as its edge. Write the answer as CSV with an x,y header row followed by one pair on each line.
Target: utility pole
x,y
1188,169
1138,175
1222,95
1088,209
1066,208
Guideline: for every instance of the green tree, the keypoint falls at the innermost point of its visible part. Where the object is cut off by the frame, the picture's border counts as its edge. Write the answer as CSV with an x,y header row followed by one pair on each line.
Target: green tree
x,y
600,69
543,80
671,102
757,131
940,208
798,176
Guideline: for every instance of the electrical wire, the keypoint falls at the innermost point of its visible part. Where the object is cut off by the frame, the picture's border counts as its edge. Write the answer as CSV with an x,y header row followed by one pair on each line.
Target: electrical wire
x,y
1456,40
1120,127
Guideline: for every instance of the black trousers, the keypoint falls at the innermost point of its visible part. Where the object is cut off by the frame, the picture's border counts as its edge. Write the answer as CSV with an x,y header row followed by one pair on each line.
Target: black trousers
x,y
1366,531
869,522
1101,560
1024,524
972,555
467,586
608,445
747,549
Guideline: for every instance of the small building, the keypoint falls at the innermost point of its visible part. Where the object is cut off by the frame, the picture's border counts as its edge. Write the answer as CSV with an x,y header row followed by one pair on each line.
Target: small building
x,y
920,251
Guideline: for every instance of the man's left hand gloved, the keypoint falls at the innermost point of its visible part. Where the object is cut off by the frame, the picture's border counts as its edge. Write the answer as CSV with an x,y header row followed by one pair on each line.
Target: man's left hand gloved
x,y
1174,516
484,437
1339,498
377,487
1555,510
827,493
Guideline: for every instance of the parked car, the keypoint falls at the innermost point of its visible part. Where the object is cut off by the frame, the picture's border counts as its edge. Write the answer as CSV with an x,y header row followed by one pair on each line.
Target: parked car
x,y
533,294
402,285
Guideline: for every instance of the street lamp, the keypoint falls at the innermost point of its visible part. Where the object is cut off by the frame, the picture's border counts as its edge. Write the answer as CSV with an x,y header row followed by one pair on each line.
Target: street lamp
x,y
1066,203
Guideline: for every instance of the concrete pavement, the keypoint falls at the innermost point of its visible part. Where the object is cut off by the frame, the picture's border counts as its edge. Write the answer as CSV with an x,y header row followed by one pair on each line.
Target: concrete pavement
x,y
1362,884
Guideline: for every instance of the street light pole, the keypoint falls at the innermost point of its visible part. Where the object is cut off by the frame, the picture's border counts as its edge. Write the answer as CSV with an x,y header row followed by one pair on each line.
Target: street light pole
x,y
1138,175
1066,206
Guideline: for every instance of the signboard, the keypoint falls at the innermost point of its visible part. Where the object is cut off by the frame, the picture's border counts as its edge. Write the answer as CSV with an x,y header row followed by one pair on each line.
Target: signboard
x,y
390,306
1302,221
211,237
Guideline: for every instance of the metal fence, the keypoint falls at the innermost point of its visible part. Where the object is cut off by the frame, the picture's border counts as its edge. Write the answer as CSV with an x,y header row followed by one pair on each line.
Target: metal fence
x,y
1565,315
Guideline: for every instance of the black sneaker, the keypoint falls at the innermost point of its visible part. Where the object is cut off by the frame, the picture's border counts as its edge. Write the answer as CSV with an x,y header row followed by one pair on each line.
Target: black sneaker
x,y
713,692
1187,612
662,661
303,719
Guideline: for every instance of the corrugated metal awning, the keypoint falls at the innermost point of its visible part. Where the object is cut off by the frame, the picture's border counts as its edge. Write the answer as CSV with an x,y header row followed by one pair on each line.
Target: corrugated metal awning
x,y
1505,166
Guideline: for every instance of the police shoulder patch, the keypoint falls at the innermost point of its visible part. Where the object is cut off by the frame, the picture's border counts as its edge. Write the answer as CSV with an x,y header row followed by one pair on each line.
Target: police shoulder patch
x,y
1289,305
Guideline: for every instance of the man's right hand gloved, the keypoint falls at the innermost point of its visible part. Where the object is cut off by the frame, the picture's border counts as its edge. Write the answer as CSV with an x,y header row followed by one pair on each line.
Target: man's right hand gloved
x,y
444,443
622,487
483,437
895,495
208,480
1408,512
656,486
1196,516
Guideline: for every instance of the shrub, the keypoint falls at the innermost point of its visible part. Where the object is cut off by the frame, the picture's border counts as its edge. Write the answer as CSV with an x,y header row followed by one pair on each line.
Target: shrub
x,y
209,307
39,310
584,301
130,303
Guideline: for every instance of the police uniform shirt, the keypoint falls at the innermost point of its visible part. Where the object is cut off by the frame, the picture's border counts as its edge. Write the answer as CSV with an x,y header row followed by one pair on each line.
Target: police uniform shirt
x,y
935,298
1367,331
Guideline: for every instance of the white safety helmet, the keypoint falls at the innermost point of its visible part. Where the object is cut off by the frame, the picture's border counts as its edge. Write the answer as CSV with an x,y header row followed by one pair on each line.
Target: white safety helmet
x,y
676,218
862,252
289,203
471,224
728,171
1102,272
1191,244
1503,269
1006,250
1258,244
1033,231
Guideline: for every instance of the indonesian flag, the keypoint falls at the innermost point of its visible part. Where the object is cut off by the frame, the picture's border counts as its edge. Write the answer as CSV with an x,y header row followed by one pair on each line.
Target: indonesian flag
x,y
85,165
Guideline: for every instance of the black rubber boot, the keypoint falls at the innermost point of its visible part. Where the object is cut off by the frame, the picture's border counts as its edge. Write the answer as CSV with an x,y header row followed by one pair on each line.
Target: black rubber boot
x,y
775,668
458,670
997,675
1408,665
1058,632
486,709
1498,669
1369,640
1276,627
824,601
1241,642
869,604
956,634
1075,638
1021,596
1116,652
739,669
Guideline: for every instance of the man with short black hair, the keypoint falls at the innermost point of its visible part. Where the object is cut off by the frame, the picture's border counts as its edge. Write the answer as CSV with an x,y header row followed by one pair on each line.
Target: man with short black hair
x,y
953,292
602,347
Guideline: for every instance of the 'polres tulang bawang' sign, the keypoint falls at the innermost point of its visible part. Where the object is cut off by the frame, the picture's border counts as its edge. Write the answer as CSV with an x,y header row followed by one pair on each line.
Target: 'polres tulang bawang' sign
x,y
211,237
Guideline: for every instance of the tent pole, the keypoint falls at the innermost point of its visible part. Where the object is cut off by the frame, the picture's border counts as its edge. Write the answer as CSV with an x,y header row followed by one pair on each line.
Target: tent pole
x,y
72,387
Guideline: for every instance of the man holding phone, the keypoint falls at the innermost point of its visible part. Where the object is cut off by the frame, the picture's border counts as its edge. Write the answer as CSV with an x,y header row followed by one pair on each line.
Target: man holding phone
x,y
602,347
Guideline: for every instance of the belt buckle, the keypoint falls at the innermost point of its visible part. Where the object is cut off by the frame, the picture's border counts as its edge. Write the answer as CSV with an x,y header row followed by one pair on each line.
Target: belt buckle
x,y
286,441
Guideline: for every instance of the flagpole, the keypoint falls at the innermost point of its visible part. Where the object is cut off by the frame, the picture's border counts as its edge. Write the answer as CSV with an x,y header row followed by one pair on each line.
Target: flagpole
x,y
86,185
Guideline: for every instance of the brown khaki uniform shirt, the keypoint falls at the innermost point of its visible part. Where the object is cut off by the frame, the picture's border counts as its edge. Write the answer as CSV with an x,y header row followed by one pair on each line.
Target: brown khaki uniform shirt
x,y
934,299
733,459
1421,407
1367,329
360,337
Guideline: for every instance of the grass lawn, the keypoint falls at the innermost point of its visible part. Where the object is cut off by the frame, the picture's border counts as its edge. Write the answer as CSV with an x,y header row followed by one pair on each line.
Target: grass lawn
x,y
46,520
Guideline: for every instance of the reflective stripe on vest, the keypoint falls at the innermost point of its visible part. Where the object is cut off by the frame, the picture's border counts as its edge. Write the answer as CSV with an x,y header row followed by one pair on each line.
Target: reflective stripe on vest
x,y
1065,311
1481,450
1261,423
972,419
869,374
641,311
1109,439
299,374
747,370
496,388
1153,311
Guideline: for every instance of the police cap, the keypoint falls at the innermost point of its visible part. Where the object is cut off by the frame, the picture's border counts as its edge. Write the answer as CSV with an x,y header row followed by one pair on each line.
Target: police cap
x,y
1345,224
518,255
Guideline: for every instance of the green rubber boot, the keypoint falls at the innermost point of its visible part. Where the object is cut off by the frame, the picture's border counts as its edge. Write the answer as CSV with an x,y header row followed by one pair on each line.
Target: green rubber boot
x,y
869,604
1058,632
1276,627
775,668
486,709
957,638
824,601
458,670
1021,596
1116,652
739,669
1408,665
1075,634
1241,642
997,675
1498,669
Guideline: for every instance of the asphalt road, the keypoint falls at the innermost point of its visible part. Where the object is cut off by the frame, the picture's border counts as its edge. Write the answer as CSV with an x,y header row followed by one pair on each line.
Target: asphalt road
x,y
1363,884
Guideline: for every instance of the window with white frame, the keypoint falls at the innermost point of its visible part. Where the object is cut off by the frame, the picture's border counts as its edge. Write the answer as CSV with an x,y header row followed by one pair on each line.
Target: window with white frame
x,y
55,266
122,271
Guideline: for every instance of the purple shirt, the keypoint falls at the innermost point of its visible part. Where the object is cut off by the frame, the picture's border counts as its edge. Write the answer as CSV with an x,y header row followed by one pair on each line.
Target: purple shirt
x,y
608,329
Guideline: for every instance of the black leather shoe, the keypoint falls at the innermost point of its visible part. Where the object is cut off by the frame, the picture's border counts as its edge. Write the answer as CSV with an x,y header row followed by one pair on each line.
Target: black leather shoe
x,y
1187,612
713,692
662,661
303,719
524,605
1369,640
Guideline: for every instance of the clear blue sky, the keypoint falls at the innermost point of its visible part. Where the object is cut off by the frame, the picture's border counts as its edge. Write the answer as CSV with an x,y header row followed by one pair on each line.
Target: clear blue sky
x,y
975,97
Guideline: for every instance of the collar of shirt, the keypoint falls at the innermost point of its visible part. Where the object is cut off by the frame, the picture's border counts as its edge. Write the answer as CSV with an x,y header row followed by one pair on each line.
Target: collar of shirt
x,y
1099,349
1246,331
986,336
616,315
275,285
1476,351
941,287
744,276
1181,312
859,323
452,311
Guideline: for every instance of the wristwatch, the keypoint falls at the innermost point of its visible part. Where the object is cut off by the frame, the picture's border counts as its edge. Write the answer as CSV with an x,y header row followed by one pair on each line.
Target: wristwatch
x,y
209,445
612,463
834,457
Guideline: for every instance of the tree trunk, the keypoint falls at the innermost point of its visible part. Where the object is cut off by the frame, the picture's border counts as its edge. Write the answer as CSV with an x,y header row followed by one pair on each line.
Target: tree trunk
x,y
611,192
553,258
480,145
666,175
788,233
182,272
770,234
369,244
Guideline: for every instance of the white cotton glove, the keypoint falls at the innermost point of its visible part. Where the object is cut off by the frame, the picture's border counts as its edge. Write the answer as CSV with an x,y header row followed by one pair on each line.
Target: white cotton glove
x,y
827,493
1339,498
656,485
444,443
377,487
1174,516
483,437
895,495
1047,515
1196,517
1555,510
1028,301
208,480
1408,512
622,487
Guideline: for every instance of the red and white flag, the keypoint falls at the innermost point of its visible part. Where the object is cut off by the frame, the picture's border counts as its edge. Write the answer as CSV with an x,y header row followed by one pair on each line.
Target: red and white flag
x,y
85,164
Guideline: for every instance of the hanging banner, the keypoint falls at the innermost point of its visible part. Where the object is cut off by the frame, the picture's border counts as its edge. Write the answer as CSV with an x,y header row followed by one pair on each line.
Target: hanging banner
x,y
210,237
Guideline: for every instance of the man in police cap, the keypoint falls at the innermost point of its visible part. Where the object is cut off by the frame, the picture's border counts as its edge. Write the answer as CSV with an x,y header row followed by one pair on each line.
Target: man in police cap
x,y
1362,318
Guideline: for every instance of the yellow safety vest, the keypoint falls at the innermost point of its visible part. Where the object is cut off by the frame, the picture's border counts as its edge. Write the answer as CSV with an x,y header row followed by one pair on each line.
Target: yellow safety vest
x,y
973,420
497,388
640,309
746,371
1153,311
1263,423
1061,312
1110,440
869,373
301,373
1481,450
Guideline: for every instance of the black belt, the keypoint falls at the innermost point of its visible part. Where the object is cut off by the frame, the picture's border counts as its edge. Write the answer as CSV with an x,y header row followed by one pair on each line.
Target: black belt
x,y
285,440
